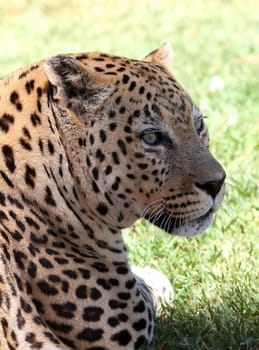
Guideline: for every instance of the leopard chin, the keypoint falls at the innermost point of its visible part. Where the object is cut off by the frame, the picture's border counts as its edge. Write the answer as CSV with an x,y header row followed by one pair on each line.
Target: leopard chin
x,y
178,227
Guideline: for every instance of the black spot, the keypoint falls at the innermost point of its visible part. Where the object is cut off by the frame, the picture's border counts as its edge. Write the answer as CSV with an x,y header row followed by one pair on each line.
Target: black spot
x,y
139,325
95,173
14,97
39,306
111,113
124,296
149,96
131,176
107,196
15,202
139,342
5,121
61,261
2,199
115,185
17,235
26,132
136,114
132,86
50,147
85,273
108,170
25,306
102,208
43,239
125,78
113,322
47,289
104,283
123,317
18,282
118,100
54,278
122,110
9,158
25,144
6,178
116,304
88,162
142,165
65,310
90,334
46,263
18,106
115,158
100,155
99,266
70,273
98,69
92,313
127,129
31,222
81,292
114,282
20,319
103,136
91,138
95,294
19,258
59,327
32,339
122,338
29,86
39,91
48,197
122,146
40,143
140,307
84,56
39,106
30,174
112,126
129,139
141,90
95,187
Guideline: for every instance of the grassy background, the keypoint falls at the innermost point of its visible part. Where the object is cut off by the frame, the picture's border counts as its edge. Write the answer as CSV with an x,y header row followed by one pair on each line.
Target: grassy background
x,y
215,276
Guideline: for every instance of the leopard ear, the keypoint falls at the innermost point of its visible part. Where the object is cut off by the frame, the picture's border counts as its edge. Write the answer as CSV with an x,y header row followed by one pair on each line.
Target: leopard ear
x,y
162,56
75,84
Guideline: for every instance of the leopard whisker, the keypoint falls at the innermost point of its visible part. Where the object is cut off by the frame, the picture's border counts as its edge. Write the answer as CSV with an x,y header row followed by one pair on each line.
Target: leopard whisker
x,y
151,205
155,211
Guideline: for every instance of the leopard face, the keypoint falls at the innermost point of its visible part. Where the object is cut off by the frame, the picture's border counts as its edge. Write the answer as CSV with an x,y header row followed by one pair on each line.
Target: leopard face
x,y
143,144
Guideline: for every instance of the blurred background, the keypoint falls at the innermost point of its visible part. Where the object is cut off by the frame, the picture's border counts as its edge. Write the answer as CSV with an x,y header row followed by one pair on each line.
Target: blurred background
x,y
216,58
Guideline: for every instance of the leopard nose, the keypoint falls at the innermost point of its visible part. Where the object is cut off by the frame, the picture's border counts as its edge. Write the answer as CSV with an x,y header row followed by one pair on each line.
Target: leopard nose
x,y
212,187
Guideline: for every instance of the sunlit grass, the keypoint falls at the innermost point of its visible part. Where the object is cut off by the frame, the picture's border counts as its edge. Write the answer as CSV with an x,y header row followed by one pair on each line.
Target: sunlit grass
x,y
215,276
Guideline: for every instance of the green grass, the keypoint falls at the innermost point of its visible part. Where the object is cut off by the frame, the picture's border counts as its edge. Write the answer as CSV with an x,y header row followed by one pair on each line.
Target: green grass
x,y
215,275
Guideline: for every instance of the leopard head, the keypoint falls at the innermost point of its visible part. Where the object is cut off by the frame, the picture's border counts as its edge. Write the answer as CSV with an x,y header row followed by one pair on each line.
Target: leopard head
x,y
137,143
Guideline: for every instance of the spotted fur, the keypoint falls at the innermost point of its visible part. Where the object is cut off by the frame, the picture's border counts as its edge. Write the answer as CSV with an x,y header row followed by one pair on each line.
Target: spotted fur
x,y
89,143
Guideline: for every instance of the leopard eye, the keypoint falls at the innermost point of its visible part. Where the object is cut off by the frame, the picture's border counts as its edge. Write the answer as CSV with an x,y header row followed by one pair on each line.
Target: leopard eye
x,y
152,138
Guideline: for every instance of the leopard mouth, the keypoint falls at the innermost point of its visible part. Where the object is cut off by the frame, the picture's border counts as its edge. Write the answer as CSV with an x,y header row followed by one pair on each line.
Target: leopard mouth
x,y
181,227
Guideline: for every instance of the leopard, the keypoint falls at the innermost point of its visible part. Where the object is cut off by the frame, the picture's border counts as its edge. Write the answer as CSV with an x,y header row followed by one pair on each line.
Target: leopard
x,y
90,143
